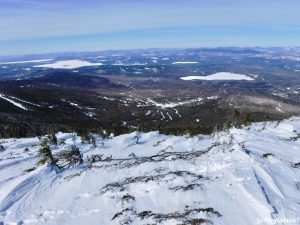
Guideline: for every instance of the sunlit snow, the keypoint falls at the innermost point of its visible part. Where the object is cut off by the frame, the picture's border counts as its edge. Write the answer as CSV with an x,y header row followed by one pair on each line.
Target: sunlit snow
x,y
219,76
233,177
68,64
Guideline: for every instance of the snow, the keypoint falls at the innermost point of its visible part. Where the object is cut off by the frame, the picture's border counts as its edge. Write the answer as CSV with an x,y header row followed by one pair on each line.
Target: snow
x,y
68,64
173,104
184,63
21,100
176,111
219,76
13,102
29,61
213,97
75,105
233,177
90,114
162,116
170,117
129,64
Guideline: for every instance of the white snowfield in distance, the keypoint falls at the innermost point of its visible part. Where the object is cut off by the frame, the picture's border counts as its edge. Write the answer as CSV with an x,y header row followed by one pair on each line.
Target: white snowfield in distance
x,y
219,76
234,177
69,64
29,61
174,63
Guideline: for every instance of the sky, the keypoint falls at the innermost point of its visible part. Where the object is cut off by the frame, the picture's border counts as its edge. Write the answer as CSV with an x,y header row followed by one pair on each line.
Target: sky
x,y
44,26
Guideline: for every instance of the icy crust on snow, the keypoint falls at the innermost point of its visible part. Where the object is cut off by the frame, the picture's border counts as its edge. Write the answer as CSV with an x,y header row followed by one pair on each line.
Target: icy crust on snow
x,y
233,178
219,76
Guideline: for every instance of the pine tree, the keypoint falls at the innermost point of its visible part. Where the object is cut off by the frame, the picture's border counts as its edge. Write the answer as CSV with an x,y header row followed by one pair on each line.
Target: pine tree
x,y
46,155
52,139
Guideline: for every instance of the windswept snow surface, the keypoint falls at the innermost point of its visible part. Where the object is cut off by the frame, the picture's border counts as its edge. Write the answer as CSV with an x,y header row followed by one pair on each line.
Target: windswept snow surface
x,y
219,76
69,64
237,177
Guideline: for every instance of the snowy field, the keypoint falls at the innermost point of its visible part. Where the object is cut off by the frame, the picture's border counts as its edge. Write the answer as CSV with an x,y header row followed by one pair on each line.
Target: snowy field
x,y
219,76
235,177
68,64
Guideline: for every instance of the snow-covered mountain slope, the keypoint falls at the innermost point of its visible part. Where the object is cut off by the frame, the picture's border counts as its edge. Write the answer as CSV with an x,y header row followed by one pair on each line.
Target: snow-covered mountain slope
x,y
241,176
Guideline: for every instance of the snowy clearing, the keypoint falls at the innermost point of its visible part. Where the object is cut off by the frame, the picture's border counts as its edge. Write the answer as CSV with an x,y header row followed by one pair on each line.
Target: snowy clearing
x,y
219,76
231,178
68,64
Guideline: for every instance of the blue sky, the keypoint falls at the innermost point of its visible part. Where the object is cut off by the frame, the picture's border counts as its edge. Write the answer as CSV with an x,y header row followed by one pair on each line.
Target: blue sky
x,y
41,26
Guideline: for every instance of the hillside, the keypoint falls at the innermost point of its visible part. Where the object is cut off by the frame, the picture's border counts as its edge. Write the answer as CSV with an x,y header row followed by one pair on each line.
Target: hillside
x,y
240,176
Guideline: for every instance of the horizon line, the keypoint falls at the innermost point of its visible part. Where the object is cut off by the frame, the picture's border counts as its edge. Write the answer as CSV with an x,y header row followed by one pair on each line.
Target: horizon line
x,y
140,49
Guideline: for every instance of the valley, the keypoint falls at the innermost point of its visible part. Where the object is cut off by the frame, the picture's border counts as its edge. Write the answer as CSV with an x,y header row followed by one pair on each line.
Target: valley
x,y
147,90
